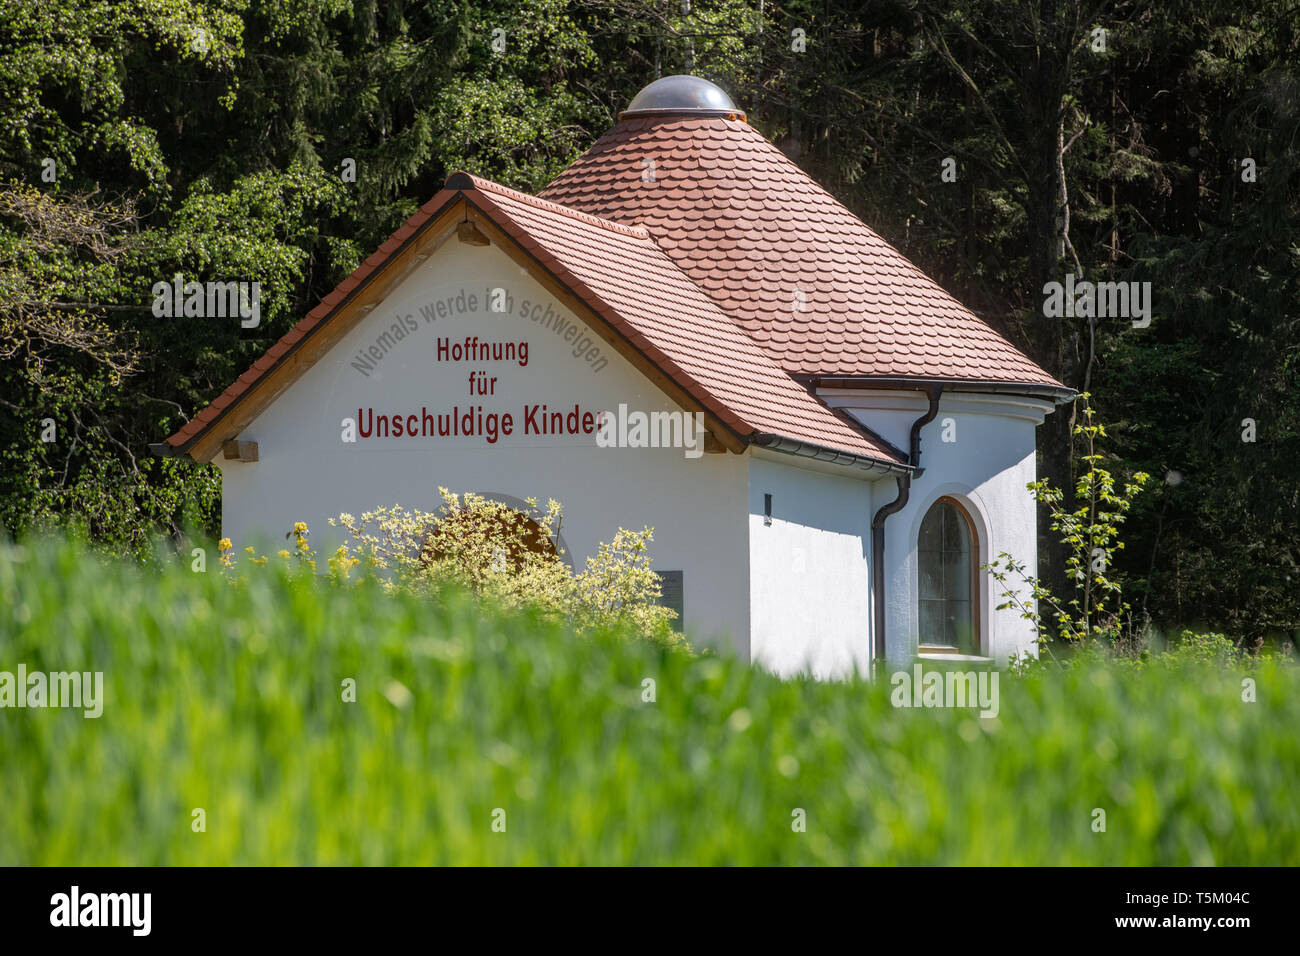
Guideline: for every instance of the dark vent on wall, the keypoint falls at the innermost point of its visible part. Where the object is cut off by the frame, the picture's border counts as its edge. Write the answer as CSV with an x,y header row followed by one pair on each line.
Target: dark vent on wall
x,y
671,583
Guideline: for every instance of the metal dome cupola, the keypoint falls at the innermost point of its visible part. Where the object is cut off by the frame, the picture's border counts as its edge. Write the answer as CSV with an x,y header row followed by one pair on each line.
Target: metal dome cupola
x,y
682,95
820,291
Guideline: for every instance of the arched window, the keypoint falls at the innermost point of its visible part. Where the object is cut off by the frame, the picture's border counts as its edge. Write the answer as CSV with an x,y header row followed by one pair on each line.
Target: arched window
x,y
510,532
947,593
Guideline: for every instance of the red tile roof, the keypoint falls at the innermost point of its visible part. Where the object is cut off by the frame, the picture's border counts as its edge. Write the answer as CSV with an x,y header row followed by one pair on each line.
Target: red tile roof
x,y
327,306
627,279
623,276
751,229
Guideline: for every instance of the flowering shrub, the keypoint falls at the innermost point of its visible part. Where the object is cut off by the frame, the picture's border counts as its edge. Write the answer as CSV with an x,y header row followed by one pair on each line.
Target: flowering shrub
x,y
510,557
472,542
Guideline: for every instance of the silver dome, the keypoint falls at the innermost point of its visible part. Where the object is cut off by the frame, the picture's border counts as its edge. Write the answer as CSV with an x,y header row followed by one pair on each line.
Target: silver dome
x,y
679,94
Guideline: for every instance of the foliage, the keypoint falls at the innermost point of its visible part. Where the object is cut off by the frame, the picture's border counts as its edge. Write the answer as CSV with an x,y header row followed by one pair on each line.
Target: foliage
x,y
63,67
208,139
1213,649
512,558
1090,532
230,700
225,127
65,250
1153,132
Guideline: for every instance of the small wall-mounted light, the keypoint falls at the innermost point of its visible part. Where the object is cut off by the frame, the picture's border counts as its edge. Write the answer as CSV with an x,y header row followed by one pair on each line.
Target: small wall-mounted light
x,y
469,232
767,509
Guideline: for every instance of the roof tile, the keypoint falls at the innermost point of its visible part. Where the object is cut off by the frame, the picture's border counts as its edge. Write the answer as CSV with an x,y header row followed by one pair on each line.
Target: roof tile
x,y
724,239
749,212
629,281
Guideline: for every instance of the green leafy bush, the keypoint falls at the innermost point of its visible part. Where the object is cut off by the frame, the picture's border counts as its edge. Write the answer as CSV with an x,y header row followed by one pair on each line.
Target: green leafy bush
x,y
1206,649
510,557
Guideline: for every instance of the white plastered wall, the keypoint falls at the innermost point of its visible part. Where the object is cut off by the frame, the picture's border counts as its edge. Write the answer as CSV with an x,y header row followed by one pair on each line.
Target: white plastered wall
x,y
809,568
985,466
697,506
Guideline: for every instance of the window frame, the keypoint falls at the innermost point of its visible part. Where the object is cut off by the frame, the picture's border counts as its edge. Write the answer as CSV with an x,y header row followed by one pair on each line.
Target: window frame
x,y
976,610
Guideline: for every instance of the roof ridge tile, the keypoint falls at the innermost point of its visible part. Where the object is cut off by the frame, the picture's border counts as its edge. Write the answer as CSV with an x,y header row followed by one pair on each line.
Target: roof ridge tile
x,y
487,185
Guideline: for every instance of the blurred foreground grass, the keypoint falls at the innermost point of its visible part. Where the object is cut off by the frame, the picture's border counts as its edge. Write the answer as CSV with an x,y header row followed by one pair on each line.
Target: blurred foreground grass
x,y
229,699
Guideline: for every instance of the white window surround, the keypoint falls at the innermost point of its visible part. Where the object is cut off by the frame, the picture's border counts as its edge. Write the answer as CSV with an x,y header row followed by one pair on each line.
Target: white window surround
x,y
975,509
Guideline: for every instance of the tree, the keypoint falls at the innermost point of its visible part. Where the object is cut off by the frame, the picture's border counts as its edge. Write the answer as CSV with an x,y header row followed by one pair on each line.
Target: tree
x,y
1090,534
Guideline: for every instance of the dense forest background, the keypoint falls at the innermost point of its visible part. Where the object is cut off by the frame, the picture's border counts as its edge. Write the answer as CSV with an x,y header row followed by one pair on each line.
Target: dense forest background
x,y
1140,141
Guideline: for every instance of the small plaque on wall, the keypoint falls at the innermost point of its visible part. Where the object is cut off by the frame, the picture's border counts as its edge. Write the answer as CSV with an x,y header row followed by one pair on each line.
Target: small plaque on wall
x,y
671,584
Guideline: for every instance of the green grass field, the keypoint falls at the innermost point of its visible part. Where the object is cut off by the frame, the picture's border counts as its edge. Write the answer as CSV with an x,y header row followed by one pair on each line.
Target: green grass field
x,y
229,699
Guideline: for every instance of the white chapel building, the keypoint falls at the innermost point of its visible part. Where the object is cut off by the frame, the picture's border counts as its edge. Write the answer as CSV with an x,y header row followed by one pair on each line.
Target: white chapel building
x,y
865,441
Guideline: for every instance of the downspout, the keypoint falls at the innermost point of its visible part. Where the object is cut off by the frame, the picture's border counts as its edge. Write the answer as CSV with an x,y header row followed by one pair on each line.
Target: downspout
x,y
878,524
